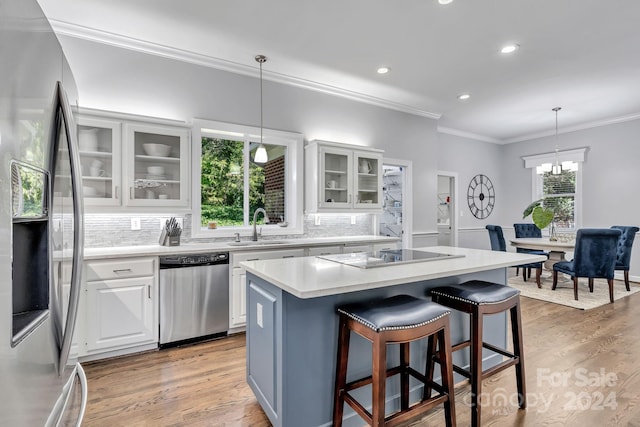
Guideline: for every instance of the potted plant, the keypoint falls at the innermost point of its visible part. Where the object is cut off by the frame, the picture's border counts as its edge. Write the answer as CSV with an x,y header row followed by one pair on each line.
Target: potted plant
x,y
541,217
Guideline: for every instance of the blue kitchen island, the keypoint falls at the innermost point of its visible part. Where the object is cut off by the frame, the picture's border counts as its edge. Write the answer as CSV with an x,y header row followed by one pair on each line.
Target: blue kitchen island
x,y
292,325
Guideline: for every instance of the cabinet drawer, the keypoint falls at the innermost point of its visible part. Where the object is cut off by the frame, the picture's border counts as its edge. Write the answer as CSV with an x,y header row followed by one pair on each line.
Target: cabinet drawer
x,y
119,269
350,249
237,258
324,250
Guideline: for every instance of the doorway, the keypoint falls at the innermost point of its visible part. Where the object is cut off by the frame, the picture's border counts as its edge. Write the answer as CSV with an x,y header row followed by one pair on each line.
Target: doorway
x,y
395,220
446,205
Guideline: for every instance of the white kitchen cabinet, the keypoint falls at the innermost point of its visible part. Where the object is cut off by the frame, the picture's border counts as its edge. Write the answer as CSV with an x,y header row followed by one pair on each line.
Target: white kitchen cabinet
x,y
323,250
342,178
352,249
375,247
121,304
99,142
238,281
157,165
121,166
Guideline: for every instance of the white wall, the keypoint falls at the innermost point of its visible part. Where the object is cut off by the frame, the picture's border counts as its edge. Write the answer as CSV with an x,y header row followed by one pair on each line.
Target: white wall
x,y
468,158
609,174
111,78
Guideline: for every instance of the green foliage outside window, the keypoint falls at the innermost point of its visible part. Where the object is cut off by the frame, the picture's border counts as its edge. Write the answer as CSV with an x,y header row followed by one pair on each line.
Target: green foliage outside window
x,y
558,203
222,183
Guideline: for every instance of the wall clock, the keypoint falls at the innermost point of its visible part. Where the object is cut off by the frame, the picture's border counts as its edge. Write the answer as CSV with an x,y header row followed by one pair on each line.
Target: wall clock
x,y
481,196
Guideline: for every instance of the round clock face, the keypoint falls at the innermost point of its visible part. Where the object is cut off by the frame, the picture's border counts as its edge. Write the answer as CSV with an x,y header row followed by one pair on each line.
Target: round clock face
x,y
481,196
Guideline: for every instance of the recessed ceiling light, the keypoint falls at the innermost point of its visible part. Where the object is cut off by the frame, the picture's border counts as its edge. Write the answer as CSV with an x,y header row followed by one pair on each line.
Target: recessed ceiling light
x,y
445,1
510,48
464,96
383,70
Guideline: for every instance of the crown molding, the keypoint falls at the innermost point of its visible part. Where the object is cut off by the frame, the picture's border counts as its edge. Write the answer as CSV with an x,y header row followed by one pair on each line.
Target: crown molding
x,y
464,134
581,126
104,37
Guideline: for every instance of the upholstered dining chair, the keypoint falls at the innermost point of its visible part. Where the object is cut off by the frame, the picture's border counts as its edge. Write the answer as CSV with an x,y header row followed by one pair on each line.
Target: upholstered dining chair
x,y
594,257
496,237
528,230
623,253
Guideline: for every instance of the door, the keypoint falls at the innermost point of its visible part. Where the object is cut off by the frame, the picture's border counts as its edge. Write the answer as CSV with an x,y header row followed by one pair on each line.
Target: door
x,y
396,219
445,204
121,313
67,233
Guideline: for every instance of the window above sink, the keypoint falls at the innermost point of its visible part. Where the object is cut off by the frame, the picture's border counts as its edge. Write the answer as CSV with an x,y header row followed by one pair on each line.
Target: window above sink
x,y
233,185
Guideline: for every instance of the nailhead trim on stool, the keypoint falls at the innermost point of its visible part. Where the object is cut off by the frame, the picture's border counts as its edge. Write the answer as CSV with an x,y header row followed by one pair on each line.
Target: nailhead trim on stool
x,y
478,298
401,320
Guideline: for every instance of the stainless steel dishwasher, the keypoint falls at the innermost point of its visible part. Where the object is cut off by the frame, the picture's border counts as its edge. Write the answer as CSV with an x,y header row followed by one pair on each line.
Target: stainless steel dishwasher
x,y
194,297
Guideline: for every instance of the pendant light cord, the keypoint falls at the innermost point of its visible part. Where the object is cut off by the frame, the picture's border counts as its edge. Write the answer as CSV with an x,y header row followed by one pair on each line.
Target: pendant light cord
x,y
261,59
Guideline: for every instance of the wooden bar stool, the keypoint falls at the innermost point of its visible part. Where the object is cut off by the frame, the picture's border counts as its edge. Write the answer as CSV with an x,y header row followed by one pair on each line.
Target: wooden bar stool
x,y
396,320
478,298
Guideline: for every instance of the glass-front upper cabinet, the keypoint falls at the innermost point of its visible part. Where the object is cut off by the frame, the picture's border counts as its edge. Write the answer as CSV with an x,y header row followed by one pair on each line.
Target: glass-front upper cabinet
x,y
342,177
157,165
99,142
336,178
368,167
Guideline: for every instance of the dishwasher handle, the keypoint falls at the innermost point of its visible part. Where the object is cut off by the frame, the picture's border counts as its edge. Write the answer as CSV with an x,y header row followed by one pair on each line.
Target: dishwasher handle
x,y
195,260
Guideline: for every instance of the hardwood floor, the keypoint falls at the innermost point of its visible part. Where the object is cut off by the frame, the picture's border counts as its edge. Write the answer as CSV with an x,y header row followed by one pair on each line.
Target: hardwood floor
x,y
582,367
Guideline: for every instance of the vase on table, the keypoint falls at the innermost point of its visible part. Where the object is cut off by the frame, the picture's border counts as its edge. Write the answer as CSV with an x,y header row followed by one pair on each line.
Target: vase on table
x,y
553,234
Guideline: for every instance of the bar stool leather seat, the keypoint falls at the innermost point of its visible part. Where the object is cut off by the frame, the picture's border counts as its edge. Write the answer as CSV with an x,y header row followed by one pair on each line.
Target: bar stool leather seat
x,y
479,298
400,319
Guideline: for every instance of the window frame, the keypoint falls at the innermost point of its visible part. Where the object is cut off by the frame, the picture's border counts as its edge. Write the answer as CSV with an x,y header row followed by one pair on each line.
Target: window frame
x,y
537,189
538,193
293,176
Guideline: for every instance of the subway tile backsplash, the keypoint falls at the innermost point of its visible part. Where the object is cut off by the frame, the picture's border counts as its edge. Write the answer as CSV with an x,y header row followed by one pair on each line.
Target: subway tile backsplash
x,y
104,230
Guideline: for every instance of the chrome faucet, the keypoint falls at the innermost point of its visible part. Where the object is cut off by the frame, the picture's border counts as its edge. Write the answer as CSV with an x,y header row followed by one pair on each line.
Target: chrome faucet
x,y
254,237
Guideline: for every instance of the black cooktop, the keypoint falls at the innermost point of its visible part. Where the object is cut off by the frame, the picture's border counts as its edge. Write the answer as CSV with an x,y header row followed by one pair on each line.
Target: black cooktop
x,y
387,257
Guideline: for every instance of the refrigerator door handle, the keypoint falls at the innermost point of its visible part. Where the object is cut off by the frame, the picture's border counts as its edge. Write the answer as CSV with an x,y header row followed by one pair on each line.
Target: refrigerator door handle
x,y
78,231
82,377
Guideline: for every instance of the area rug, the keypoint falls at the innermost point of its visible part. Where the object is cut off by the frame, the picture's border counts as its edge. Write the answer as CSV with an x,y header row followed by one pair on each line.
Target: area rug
x,y
564,291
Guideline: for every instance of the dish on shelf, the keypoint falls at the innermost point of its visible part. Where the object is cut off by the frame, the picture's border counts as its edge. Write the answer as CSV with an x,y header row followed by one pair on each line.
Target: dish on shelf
x,y
90,191
158,150
155,170
156,177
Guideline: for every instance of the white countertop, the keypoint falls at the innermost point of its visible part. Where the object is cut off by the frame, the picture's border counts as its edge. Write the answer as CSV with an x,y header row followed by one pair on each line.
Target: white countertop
x,y
188,248
311,277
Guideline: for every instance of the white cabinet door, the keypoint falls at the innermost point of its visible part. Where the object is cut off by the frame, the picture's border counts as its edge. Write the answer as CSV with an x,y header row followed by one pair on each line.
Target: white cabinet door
x,y
99,141
367,180
336,178
342,178
157,165
324,250
238,295
238,283
352,249
385,246
120,313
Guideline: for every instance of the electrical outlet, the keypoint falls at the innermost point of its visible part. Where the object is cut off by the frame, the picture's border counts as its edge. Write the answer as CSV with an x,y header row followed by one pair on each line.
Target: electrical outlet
x,y
259,315
353,220
135,223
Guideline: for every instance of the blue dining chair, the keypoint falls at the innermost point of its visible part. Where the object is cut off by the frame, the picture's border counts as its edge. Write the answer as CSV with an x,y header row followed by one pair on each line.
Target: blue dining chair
x,y
623,254
528,230
594,257
496,237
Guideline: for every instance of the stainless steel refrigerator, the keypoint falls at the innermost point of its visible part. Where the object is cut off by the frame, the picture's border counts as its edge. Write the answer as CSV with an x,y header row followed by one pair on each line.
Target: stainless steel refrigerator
x,y
41,225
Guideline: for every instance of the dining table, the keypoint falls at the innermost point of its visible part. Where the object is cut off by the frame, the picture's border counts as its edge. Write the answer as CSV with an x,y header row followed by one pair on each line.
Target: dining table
x,y
556,248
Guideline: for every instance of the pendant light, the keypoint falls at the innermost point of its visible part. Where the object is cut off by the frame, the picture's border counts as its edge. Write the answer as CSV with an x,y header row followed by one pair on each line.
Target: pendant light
x,y
261,152
557,168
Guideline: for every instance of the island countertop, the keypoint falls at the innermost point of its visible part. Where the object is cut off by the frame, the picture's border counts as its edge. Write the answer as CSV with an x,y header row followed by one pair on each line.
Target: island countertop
x,y
312,277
